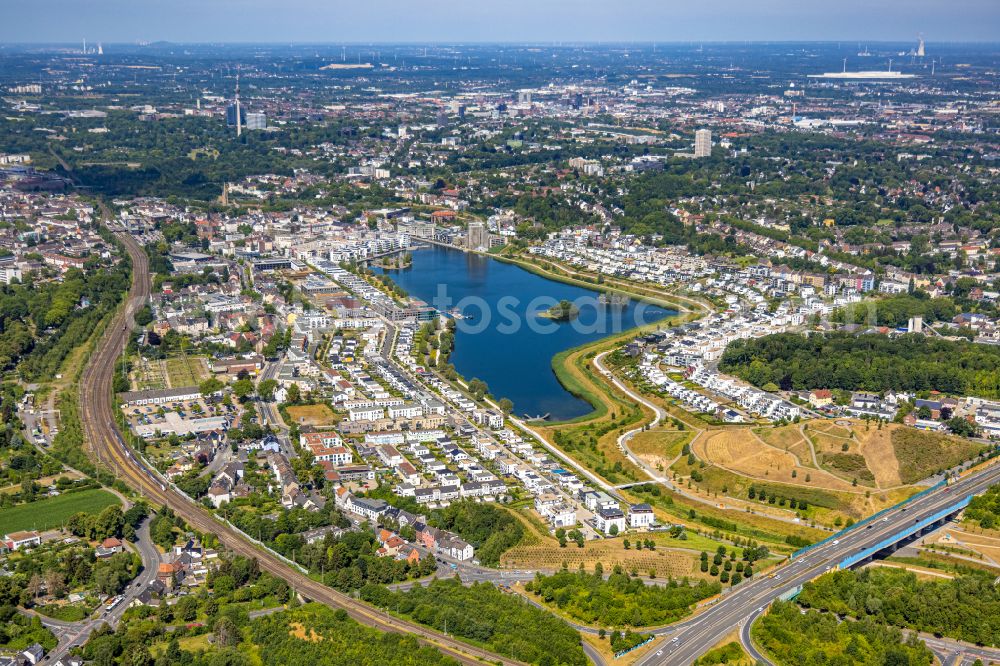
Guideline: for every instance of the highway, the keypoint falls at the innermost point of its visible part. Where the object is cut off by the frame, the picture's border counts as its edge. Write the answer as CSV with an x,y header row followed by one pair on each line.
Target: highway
x,y
97,413
739,607
689,639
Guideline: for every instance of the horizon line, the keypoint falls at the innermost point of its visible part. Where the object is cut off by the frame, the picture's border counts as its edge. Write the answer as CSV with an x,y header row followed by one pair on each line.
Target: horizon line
x,y
554,43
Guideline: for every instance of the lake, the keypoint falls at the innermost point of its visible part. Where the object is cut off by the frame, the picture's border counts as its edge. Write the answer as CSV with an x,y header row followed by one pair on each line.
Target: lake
x,y
502,340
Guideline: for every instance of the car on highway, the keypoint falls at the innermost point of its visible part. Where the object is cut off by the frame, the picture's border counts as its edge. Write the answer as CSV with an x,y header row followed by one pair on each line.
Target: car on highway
x,y
836,542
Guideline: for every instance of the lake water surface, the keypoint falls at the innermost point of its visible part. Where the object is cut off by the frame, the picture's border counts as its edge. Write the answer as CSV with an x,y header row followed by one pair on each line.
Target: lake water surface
x,y
503,341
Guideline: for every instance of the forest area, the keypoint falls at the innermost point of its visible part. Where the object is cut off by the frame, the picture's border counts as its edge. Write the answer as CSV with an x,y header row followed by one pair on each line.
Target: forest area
x,y
867,362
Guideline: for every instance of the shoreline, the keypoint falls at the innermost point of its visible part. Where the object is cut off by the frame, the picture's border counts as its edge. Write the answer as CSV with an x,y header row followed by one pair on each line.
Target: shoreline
x,y
676,313
659,301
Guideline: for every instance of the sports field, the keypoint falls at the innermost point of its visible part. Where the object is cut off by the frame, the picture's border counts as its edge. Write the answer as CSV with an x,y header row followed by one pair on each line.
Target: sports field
x,y
53,511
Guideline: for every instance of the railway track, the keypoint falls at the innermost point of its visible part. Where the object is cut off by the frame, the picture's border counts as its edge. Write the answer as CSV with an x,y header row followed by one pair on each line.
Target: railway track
x,y
101,431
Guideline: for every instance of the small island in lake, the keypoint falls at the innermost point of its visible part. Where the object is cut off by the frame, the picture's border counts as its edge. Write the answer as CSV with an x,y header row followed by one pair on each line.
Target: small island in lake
x,y
561,311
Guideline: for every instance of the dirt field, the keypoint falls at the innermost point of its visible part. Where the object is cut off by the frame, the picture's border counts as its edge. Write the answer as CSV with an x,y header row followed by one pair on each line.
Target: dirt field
x,y
830,428
317,415
824,443
876,447
784,437
789,438
609,552
985,543
299,631
893,454
741,451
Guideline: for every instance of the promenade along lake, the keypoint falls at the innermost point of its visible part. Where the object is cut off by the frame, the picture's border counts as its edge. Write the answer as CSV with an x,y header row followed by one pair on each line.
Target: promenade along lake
x,y
502,340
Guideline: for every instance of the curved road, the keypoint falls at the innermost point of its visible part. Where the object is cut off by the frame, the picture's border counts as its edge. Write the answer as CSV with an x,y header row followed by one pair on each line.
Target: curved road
x,y
98,418
76,633
660,416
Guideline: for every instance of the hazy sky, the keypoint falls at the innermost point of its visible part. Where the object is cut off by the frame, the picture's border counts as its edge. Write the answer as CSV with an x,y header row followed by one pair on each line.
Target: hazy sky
x,y
496,20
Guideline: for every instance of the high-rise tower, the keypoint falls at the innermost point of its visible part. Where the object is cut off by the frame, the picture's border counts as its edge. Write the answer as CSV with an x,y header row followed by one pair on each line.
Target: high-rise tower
x,y
703,143
239,116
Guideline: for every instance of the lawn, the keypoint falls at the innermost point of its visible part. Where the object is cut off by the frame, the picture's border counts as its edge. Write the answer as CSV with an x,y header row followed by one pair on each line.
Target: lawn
x,y
661,445
53,511
185,371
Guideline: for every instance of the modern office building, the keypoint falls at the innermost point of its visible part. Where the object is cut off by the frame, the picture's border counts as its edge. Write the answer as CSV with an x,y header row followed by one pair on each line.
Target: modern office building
x,y
231,116
703,143
256,121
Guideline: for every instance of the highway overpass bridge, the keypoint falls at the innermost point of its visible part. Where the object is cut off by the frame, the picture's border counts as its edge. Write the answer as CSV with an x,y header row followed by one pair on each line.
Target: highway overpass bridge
x,y
885,531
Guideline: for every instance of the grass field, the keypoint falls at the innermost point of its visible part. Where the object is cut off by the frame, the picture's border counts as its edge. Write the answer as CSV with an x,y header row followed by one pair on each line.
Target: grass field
x,y
882,458
921,454
727,652
592,440
783,438
660,447
314,415
53,511
741,451
831,428
876,446
185,371
984,544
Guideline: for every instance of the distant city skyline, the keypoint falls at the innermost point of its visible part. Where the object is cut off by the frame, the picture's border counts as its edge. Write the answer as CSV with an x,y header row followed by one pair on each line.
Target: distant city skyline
x,y
509,21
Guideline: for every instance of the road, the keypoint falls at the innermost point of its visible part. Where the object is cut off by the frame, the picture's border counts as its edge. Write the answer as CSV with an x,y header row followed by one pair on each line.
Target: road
x,y
695,636
97,414
77,633
267,411
660,416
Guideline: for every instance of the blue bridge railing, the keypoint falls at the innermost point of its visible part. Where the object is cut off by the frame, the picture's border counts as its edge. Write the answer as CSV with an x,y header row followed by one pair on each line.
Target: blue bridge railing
x,y
851,560
869,519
